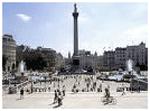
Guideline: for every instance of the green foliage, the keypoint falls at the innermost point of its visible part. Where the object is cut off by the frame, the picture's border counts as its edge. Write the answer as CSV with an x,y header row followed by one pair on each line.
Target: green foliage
x,y
35,63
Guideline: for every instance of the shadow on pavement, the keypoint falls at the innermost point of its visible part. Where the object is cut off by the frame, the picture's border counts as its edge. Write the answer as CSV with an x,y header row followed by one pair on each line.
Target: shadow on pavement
x,y
18,99
56,106
51,103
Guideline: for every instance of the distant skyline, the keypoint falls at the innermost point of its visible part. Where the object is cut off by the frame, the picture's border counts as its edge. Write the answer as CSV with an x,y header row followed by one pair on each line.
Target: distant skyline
x,y
100,25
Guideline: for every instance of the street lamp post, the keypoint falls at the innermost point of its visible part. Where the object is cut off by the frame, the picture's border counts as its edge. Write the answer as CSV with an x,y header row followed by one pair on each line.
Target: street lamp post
x,y
131,82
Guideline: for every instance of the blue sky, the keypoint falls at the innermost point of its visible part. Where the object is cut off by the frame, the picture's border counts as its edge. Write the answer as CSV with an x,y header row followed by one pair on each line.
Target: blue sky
x,y
101,25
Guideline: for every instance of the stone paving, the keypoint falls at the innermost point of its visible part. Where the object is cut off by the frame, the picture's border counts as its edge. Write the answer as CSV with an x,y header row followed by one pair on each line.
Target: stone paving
x,y
77,100
80,100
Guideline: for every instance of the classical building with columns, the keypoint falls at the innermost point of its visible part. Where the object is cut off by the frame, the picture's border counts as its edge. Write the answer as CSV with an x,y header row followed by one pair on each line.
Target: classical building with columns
x,y
9,53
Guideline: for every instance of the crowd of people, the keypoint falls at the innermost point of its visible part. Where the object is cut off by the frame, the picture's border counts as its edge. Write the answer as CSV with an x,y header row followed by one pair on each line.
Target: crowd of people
x,y
72,83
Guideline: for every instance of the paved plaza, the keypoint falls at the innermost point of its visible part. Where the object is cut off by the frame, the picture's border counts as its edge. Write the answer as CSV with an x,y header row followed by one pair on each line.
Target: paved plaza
x,y
78,100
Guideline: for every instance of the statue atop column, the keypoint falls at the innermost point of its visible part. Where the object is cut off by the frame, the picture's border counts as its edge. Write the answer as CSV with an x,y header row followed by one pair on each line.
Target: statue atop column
x,y
75,7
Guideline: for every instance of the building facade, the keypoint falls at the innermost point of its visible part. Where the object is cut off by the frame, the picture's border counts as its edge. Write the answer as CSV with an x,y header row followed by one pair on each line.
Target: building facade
x,y
120,58
114,60
60,61
137,53
87,59
9,53
109,60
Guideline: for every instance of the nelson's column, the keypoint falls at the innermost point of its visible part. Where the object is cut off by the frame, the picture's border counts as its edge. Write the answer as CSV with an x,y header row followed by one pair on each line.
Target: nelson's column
x,y
76,61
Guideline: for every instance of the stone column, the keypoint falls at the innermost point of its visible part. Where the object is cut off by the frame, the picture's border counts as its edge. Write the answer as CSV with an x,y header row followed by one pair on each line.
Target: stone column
x,y
75,16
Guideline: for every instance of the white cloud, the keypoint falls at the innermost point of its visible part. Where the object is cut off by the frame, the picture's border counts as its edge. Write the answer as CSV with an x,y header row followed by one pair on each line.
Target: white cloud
x,y
24,17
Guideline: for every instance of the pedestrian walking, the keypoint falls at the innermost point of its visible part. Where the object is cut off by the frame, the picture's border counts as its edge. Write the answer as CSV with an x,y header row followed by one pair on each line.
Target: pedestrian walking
x,y
64,90
55,97
107,93
60,98
21,93
100,87
123,90
139,88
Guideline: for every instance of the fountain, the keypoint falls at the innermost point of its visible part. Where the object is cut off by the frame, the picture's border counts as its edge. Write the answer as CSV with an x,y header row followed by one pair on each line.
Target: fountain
x,y
130,65
22,66
23,76
136,81
124,76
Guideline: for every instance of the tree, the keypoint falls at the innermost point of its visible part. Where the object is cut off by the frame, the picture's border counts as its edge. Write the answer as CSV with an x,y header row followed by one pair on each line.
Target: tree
x,y
36,62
